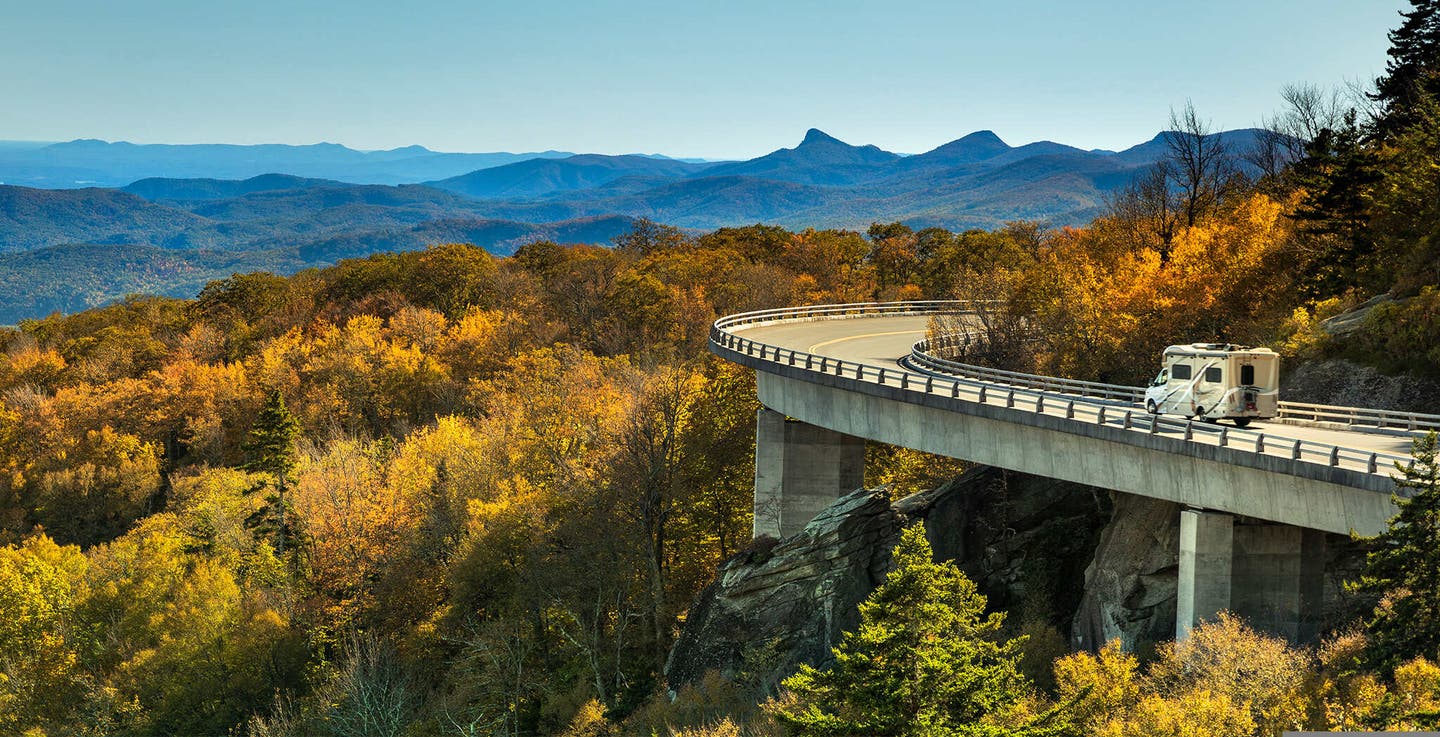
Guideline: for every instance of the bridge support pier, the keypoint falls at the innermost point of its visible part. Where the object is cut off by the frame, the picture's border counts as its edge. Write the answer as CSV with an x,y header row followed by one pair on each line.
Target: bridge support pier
x,y
1269,574
1207,544
799,470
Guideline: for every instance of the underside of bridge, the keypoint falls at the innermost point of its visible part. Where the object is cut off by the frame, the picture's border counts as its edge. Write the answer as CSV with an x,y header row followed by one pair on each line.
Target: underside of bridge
x,y
1267,572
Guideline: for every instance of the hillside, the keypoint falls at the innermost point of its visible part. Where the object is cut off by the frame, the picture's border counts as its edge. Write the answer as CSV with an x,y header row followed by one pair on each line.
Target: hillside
x,y
162,188
35,218
538,177
977,181
68,278
819,159
258,220
97,274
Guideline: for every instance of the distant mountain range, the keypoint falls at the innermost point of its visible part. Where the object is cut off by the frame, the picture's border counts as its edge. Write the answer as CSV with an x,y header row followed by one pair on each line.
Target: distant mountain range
x,y
977,181
288,207
91,163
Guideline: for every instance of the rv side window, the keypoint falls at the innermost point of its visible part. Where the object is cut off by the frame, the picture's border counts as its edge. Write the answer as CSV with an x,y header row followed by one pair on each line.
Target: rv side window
x,y
1180,372
1247,375
1161,379
1212,374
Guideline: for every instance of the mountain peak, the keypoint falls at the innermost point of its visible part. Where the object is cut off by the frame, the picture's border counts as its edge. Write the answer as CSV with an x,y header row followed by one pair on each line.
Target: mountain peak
x,y
815,135
977,146
983,137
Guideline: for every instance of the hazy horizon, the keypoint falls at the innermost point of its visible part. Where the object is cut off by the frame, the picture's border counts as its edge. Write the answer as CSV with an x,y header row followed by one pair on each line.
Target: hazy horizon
x,y
798,136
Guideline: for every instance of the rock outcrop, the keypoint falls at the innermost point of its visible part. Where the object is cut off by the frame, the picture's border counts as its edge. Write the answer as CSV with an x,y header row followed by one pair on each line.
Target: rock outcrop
x,y
1353,319
1093,564
783,603
1130,583
1025,540
1341,382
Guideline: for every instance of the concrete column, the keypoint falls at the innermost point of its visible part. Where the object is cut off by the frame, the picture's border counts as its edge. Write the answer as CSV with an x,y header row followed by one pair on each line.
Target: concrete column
x,y
1278,582
799,470
1270,575
769,472
1206,551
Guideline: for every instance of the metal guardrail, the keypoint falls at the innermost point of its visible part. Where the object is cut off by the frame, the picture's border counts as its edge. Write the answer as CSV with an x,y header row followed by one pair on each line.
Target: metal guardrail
x,y
1359,417
837,311
1077,401
922,354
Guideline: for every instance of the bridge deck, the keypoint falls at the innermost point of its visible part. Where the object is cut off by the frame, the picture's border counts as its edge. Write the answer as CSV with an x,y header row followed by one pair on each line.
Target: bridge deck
x,y
882,341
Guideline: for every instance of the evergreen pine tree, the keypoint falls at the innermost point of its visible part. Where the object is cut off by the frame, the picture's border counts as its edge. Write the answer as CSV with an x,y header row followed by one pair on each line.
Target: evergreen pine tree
x,y
1403,568
925,660
1413,71
1337,177
271,449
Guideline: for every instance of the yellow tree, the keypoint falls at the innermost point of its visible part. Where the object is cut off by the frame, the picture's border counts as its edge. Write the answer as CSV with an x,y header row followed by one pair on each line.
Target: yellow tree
x,y
41,676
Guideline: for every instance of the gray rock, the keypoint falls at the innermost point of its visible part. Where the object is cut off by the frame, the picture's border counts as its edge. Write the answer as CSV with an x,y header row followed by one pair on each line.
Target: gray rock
x,y
783,603
1346,383
1025,540
1130,583
1354,319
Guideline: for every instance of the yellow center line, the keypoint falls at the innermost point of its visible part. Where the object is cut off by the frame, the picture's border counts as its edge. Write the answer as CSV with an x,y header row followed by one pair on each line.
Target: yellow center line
x,y
822,344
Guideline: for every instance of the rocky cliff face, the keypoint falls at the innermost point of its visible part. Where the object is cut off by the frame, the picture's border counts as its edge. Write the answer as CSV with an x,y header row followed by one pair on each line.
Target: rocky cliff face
x,y
1025,540
1130,582
1340,382
783,603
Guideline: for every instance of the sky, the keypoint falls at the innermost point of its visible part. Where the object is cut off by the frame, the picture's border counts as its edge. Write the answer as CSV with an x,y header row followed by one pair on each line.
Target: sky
x,y
731,79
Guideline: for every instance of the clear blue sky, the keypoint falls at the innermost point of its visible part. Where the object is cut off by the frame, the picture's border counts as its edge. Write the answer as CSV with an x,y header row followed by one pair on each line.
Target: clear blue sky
x,y
713,79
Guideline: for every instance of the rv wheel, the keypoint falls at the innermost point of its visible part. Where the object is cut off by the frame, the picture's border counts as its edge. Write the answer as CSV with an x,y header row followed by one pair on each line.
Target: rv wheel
x,y
1151,407
1242,421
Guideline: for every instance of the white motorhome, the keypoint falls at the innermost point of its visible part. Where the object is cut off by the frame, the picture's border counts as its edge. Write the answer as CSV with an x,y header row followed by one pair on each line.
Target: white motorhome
x,y
1215,381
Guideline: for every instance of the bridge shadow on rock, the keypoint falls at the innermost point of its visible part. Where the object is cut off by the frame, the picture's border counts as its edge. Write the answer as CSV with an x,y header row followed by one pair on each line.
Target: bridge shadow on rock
x,y
1026,541
1093,564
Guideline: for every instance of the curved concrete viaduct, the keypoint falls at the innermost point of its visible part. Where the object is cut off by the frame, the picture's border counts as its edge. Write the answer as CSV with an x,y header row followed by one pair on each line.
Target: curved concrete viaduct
x,y
832,377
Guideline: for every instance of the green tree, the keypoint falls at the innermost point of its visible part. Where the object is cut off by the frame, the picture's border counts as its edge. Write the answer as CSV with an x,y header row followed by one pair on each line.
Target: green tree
x,y
1337,177
271,449
1413,71
926,660
1403,568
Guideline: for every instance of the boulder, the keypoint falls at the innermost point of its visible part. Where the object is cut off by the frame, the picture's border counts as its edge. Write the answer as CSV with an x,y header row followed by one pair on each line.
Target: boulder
x,y
1354,319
